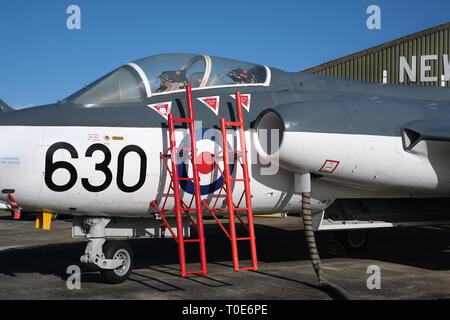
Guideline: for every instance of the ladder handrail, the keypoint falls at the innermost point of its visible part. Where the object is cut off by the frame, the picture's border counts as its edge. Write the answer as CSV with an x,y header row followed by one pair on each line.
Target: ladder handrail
x,y
232,210
180,206
197,194
248,197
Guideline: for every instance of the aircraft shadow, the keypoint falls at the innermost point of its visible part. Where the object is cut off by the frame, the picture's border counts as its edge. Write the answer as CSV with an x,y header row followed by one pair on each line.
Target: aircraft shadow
x,y
417,247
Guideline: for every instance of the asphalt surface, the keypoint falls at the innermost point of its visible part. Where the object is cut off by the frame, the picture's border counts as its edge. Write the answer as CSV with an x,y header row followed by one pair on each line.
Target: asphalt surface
x,y
414,263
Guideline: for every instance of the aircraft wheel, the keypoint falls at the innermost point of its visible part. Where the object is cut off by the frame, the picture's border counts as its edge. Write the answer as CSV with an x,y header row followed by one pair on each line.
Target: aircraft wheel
x,y
118,250
354,241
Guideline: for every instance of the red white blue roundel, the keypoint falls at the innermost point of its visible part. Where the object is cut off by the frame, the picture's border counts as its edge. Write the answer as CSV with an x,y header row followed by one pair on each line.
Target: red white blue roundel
x,y
209,142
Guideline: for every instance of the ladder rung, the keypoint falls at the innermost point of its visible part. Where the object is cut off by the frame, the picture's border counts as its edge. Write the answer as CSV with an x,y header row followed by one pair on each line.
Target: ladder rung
x,y
241,239
238,180
192,240
249,268
240,209
233,123
186,179
194,272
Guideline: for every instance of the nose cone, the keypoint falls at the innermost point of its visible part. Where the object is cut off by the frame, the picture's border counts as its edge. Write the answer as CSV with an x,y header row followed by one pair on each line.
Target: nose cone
x,y
7,163
21,163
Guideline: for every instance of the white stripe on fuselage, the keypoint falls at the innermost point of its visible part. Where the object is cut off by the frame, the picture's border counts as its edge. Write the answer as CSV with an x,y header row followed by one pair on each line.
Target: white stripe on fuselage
x,y
26,149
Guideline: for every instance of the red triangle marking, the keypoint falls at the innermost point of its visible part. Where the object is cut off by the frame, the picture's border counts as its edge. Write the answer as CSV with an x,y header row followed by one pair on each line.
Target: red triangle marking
x,y
245,100
162,108
211,102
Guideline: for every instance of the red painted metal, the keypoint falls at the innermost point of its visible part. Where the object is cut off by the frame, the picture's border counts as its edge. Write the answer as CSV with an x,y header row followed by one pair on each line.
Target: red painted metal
x,y
230,203
232,208
180,206
248,197
197,194
14,206
195,204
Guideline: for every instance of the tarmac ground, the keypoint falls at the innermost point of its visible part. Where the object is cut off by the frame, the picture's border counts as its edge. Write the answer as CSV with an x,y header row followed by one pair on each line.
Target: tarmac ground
x,y
413,263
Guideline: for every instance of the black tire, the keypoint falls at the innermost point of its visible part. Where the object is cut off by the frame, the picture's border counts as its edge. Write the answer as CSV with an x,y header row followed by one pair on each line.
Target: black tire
x,y
115,250
354,241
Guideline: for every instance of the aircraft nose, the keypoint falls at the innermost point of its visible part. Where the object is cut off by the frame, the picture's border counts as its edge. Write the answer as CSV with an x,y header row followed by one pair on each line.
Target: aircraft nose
x,y
16,161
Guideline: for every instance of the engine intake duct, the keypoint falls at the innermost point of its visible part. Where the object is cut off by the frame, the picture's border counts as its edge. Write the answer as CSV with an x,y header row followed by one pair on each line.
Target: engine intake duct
x,y
288,133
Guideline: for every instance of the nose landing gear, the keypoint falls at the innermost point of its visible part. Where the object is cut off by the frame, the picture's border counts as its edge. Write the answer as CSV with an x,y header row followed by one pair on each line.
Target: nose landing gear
x,y
115,259
106,249
118,251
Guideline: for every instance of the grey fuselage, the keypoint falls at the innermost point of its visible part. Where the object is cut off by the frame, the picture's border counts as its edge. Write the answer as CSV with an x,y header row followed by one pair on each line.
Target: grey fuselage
x,y
325,104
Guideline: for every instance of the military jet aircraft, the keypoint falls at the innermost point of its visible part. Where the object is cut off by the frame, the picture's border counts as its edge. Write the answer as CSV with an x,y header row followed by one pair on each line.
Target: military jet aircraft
x,y
371,155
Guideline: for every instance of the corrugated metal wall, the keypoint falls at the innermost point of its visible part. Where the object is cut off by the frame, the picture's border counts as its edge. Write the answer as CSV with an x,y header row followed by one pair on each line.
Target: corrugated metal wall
x,y
368,65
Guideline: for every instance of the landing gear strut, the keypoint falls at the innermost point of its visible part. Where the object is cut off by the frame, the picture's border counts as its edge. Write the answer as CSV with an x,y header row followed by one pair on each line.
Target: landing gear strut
x,y
115,259
106,249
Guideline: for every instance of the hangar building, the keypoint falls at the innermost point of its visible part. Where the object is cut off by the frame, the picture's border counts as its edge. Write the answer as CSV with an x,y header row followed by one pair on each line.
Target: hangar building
x,y
421,58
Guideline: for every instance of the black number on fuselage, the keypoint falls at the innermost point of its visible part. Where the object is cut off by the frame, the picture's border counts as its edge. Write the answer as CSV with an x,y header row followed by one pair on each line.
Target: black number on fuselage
x,y
121,165
103,167
51,167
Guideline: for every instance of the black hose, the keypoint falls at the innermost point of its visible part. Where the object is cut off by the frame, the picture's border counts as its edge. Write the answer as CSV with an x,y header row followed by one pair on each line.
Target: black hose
x,y
334,291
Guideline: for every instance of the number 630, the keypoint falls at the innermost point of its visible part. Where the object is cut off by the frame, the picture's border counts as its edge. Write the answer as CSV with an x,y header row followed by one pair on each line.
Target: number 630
x,y
51,167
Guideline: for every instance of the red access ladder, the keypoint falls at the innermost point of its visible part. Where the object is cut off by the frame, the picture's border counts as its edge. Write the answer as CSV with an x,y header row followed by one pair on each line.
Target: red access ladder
x,y
233,208
181,207
195,205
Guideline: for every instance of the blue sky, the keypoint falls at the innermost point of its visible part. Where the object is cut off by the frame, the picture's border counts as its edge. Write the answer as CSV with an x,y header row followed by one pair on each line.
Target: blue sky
x,y
41,60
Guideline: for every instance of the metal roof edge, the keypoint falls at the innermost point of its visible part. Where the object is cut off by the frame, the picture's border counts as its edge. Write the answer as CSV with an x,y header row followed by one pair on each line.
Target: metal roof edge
x,y
365,52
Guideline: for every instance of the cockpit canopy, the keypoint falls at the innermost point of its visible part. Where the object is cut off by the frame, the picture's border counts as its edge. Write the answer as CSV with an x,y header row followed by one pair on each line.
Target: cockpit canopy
x,y
168,73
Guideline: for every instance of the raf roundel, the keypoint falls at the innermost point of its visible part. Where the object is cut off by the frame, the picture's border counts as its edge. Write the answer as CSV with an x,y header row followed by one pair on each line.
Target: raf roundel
x,y
208,144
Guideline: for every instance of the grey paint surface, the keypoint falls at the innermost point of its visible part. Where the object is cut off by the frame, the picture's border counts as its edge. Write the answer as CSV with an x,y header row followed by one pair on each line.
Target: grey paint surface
x,y
309,103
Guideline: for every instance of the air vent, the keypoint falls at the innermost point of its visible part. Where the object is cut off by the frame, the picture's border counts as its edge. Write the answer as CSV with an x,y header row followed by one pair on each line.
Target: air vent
x,y
410,138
